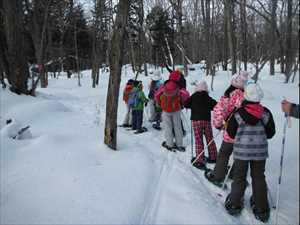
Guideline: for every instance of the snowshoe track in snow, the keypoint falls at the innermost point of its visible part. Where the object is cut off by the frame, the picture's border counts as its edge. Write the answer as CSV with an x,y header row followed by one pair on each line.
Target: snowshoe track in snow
x,y
151,209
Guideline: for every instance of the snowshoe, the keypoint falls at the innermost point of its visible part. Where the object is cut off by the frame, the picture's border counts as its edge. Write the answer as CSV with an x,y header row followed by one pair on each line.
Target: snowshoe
x,y
169,148
211,178
232,209
180,148
198,165
209,160
262,215
142,130
157,127
125,125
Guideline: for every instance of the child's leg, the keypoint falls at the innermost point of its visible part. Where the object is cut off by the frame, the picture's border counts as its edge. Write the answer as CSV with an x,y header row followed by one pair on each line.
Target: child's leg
x,y
224,154
134,120
168,128
176,120
139,121
212,149
198,134
239,183
259,185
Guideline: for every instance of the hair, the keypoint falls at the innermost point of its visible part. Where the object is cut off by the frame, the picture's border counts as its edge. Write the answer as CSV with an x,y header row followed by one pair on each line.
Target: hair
x,y
229,90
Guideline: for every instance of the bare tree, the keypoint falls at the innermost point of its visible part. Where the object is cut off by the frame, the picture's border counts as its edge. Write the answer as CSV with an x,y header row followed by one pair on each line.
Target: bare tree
x,y
116,57
17,73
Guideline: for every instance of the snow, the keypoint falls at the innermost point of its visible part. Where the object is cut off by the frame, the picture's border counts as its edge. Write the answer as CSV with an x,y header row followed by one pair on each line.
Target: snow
x,y
64,174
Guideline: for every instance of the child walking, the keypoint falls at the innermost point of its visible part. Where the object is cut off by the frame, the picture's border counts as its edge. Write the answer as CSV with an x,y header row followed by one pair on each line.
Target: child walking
x,y
250,126
128,116
155,111
201,105
137,100
232,99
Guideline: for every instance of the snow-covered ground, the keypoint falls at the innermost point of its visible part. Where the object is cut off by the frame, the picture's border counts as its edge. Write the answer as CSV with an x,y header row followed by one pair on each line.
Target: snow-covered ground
x,y
64,174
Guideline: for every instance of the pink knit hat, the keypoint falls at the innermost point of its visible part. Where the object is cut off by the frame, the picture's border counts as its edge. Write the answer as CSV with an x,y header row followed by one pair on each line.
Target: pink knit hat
x,y
201,86
239,80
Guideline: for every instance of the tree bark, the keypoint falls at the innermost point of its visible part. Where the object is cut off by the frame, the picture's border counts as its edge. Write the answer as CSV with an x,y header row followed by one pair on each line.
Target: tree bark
x,y
18,72
115,60
273,36
289,49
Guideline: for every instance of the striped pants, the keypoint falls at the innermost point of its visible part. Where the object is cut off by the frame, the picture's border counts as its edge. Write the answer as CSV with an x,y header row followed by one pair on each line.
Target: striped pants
x,y
200,128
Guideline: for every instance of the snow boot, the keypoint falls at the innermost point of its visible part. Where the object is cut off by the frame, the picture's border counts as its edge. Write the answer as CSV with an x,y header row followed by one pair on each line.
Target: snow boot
x,y
125,125
211,178
231,208
262,215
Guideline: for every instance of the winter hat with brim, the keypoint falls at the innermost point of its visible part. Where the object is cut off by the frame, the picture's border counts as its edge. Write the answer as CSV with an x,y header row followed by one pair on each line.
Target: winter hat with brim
x,y
156,75
253,92
201,86
239,80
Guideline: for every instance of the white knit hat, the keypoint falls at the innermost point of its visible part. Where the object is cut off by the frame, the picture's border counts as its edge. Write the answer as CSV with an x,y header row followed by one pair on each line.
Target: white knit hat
x,y
239,80
156,75
201,86
253,92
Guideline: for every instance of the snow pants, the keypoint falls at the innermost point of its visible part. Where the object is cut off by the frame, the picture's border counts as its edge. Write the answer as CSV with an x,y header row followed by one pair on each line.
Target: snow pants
x,y
128,116
200,128
152,111
259,185
224,154
137,119
172,122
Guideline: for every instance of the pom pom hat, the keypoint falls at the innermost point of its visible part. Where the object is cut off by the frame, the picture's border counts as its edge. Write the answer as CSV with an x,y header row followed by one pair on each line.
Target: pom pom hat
x,y
239,80
253,92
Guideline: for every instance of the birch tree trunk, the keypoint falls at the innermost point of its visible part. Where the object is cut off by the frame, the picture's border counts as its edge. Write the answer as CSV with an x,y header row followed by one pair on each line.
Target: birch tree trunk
x,y
115,61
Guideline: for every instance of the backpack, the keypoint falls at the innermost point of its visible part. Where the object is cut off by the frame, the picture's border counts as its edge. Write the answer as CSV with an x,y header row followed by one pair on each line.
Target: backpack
x,y
133,99
170,102
251,140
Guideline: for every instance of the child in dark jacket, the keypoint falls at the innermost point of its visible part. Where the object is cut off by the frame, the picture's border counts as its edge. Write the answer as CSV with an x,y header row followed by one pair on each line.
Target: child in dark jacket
x,y
201,105
250,126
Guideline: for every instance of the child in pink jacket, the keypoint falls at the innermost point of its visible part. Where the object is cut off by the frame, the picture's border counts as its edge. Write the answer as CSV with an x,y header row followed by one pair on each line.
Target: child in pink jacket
x,y
231,100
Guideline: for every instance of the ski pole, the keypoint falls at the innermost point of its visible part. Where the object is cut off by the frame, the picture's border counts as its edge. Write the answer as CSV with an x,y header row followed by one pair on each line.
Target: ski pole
x,y
281,165
206,147
227,176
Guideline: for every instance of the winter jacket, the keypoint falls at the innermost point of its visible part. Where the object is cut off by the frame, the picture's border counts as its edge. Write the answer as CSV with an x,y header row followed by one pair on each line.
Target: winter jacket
x,y
154,86
294,111
224,108
142,98
183,93
128,88
201,104
251,126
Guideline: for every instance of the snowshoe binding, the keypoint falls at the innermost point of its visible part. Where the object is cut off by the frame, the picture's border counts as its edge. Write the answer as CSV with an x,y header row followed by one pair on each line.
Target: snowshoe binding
x,y
198,165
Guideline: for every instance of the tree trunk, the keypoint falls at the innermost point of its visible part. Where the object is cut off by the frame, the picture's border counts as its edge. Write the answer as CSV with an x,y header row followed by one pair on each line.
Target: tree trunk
x,y
18,72
229,10
244,47
115,60
273,36
289,49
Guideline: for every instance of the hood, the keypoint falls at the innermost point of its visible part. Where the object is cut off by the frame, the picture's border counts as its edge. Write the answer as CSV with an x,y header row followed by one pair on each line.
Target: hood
x,y
251,112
